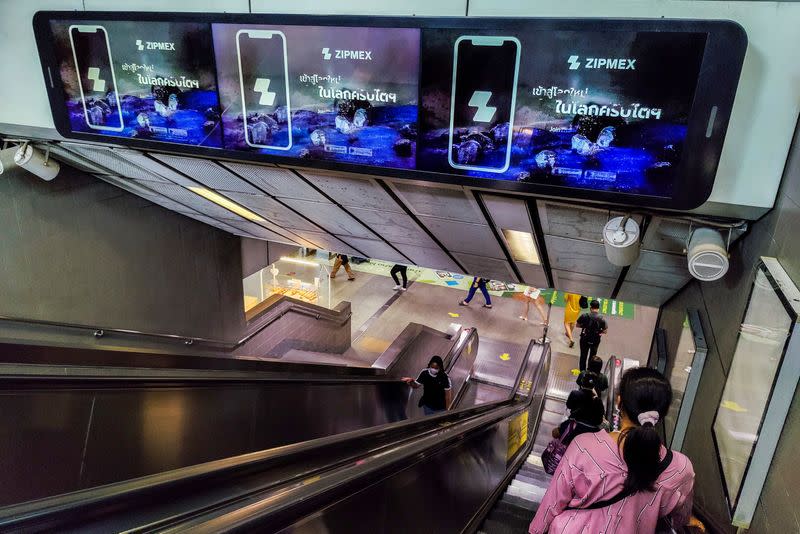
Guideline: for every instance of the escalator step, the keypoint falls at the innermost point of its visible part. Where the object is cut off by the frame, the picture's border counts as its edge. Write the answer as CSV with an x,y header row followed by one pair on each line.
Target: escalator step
x,y
533,479
519,501
513,509
518,524
494,527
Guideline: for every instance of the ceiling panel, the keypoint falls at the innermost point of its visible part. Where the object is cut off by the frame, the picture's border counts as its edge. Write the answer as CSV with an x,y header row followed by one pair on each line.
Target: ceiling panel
x,y
327,242
208,173
330,217
450,204
187,198
155,170
583,284
218,224
532,275
667,235
394,227
577,222
273,211
433,258
275,181
659,269
458,236
117,164
508,213
579,256
486,267
374,249
353,192
644,294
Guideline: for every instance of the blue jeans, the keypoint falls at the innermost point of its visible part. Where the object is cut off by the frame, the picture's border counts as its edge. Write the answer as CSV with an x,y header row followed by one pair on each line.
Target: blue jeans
x,y
430,411
483,289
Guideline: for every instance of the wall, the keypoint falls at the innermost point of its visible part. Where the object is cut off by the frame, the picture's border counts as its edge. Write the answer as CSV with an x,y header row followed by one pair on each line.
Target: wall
x,y
79,250
722,306
764,114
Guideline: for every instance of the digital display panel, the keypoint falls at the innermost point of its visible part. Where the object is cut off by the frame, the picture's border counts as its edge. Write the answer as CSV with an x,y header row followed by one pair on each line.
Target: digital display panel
x,y
621,111
151,81
320,92
594,110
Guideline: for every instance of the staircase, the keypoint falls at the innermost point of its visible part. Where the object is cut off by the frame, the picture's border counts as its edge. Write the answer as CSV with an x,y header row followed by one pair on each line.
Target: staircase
x,y
514,511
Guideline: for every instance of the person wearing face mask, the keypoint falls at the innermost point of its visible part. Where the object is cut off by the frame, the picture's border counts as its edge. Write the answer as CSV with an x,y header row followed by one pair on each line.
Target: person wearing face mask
x,y
436,395
626,477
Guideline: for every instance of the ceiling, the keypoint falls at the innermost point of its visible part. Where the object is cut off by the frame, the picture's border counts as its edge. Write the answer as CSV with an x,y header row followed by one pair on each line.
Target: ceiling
x,y
444,227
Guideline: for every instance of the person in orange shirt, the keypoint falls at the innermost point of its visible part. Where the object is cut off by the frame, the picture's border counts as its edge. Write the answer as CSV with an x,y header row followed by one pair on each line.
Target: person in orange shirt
x,y
572,310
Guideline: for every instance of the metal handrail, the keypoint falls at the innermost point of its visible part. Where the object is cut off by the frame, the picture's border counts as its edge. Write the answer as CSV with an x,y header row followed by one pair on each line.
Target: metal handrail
x,y
100,331
611,370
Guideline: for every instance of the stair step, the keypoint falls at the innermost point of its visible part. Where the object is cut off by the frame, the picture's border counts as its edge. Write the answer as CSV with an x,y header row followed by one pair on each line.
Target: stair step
x,y
513,509
531,493
534,479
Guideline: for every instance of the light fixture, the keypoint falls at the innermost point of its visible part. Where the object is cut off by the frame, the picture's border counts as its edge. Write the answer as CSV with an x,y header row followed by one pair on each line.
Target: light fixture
x,y
521,246
299,262
707,254
31,159
226,203
621,239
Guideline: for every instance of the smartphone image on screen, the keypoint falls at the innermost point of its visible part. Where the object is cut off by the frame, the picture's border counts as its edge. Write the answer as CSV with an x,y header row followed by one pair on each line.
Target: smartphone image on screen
x,y
264,79
483,97
96,80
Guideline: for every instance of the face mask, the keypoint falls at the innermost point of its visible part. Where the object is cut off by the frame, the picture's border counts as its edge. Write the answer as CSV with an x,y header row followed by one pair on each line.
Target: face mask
x,y
433,372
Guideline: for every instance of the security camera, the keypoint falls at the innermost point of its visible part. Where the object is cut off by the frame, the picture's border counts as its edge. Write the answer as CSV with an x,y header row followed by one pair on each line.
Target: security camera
x,y
621,239
35,161
707,255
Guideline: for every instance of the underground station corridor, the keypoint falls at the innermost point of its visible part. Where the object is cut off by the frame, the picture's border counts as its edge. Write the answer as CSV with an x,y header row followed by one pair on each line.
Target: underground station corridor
x,y
458,267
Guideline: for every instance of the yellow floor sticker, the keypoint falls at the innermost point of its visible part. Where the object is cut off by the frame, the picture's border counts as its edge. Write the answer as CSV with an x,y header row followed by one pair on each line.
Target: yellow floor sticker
x,y
505,356
454,315
575,372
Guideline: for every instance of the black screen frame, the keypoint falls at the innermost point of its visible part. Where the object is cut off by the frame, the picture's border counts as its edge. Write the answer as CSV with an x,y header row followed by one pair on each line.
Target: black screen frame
x,y
716,88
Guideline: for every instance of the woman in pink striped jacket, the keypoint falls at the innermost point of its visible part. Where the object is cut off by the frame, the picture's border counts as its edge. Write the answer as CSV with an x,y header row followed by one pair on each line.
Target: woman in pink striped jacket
x,y
621,482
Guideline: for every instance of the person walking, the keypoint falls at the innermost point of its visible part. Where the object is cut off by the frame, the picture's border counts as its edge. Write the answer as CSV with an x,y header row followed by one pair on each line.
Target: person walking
x,y
342,261
623,481
436,395
593,326
533,294
572,309
478,283
402,269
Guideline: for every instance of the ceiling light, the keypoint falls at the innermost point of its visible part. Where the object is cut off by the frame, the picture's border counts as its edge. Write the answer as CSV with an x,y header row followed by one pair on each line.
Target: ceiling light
x,y
522,246
621,240
299,262
226,203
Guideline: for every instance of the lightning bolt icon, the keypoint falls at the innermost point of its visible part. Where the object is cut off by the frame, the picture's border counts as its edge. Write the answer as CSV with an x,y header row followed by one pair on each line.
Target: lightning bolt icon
x,y
326,53
98,85
480,100
574,64
267,96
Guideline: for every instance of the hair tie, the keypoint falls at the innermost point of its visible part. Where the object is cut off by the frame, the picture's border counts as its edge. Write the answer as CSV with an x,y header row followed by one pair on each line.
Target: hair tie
x,y
648,417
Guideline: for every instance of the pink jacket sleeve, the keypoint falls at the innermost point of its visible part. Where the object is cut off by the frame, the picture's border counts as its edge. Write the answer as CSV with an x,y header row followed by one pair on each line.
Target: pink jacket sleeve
x,y
558,496
684,497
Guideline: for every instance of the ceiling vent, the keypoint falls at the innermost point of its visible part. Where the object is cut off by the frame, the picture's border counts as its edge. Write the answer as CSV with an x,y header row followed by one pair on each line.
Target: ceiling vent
x,y
707,255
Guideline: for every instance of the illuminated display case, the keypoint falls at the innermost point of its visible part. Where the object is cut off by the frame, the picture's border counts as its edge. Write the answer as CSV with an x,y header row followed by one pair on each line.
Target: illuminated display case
x,y
305,279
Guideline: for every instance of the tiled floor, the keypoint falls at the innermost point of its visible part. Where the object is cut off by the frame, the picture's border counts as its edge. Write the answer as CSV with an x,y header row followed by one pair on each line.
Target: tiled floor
x,y
500,327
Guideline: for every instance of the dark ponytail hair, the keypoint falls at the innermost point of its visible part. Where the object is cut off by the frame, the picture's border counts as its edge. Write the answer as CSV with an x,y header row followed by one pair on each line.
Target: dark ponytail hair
x,y
641,390
438,359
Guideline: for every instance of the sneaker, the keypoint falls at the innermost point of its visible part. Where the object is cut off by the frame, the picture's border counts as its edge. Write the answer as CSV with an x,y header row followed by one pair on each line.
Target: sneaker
x,y
402,289
463,303
487,306
398,286
571,344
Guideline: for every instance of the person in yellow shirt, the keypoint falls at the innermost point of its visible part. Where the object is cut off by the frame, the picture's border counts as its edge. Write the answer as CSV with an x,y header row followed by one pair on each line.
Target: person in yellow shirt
x,y
572,310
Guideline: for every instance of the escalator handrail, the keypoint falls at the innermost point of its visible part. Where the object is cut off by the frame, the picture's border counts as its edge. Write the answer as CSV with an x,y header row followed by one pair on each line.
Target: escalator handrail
x,y
454,354
70,503
336,485
611,369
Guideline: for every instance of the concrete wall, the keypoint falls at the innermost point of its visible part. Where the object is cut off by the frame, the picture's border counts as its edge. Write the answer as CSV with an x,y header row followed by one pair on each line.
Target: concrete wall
x,y
722,306
79,250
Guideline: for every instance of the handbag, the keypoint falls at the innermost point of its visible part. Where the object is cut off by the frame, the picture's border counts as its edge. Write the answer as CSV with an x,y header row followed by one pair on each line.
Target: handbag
x,y
555,450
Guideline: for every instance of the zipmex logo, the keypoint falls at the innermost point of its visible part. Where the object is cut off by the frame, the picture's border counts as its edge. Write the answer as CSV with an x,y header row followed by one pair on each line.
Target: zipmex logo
x,y
480,100
326,54
262,86
574,63
154,45
98,84
360,55
139,44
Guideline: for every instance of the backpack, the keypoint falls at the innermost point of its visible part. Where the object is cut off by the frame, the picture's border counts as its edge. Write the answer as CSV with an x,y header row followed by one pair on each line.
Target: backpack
x,y
583,302
555,450
591,332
